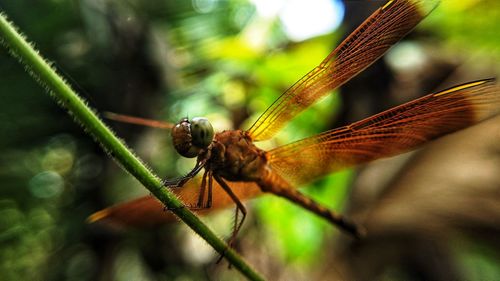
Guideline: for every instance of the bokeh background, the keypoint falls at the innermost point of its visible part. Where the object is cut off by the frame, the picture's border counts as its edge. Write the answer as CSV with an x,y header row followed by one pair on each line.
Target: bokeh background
x,y
431,215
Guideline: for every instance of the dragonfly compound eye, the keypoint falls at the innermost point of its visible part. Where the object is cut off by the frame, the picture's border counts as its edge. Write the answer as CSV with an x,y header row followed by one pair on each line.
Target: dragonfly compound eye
x,y
182,140
190,137
202,132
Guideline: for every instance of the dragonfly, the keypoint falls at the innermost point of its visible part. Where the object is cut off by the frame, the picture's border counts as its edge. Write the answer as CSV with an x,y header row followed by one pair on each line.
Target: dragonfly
x,y
234,168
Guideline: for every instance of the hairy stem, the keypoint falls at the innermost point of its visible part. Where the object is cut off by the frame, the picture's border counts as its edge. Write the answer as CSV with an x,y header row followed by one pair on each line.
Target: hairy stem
x,y
41,71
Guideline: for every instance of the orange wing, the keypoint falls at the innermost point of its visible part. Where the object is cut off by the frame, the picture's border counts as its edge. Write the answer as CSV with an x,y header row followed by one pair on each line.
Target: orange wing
x,y
389,133
147,211
138,121
386,134
366,44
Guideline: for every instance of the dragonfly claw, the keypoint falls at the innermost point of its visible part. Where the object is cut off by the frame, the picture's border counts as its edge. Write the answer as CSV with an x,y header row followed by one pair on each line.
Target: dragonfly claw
x,y
167,208
168,183
174,183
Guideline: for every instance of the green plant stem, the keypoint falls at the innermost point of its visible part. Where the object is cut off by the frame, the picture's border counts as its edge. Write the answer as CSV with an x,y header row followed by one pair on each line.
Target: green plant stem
x,y
66,97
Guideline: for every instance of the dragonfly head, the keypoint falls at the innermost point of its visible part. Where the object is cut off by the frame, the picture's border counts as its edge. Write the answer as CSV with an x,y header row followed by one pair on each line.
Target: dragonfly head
x,y
191,136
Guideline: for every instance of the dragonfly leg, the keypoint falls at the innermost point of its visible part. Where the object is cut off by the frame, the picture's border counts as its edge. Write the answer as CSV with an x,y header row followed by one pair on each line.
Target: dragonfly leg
x,y
315,207
179,182
210,184
201,194
239,207
199,205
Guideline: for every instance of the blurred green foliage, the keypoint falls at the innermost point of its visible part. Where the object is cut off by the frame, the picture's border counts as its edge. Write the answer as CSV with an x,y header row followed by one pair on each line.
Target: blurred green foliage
x,y
470,26
164,60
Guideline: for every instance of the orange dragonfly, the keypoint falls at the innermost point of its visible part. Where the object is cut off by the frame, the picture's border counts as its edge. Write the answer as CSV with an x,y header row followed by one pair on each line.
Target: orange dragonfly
x,y
233,165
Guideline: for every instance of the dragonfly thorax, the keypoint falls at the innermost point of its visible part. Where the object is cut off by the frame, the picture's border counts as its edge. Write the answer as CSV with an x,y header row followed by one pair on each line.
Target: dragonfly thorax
x,y
192,136
235,157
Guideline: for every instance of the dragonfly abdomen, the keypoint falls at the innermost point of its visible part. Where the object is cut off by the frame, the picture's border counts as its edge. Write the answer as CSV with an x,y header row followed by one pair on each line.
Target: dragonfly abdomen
x,y
272,182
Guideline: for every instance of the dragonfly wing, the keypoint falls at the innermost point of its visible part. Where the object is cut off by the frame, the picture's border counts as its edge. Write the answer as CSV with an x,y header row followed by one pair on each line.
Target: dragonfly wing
x,y
389,133
364,46
147,211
